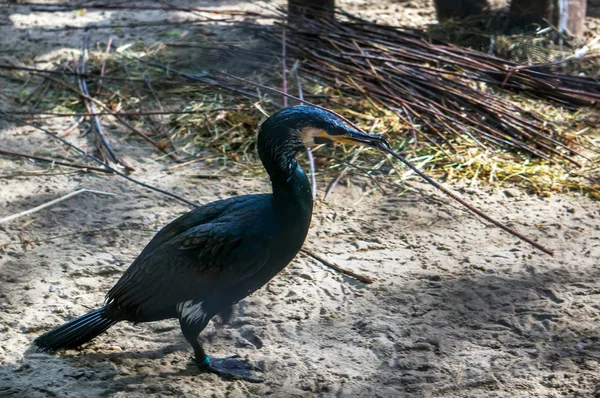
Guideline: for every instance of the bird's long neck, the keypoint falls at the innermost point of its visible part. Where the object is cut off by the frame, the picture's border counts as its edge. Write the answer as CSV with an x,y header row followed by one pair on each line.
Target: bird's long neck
x,y
291,188
293,204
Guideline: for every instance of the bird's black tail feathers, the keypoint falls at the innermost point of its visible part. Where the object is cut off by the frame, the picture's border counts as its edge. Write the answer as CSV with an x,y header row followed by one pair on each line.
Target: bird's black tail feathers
x,y
76,332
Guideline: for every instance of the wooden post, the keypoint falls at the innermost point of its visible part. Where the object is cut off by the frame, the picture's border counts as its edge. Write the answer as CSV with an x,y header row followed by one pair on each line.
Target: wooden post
x,y
566,15
572,17
447,9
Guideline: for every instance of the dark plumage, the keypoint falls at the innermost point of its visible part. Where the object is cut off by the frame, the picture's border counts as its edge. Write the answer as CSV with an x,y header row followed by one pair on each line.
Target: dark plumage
x,y
212,257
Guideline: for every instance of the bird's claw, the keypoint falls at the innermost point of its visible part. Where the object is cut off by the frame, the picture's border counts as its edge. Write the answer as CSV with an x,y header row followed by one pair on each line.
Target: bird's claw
x,y
230,368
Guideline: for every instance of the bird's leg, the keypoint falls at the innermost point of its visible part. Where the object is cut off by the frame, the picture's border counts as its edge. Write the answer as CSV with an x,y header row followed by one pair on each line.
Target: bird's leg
x,y
226,315
231,367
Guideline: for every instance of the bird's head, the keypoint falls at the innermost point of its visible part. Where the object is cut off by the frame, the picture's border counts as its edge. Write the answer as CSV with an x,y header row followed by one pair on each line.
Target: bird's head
x,y
295,128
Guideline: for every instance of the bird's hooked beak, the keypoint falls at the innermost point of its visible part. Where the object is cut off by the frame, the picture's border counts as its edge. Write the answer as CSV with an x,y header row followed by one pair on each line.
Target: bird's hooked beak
x,y
313,136
354,137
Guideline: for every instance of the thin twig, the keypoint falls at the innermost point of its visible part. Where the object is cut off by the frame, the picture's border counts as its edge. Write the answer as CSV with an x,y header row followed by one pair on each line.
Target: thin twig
x,y
364,279
34,92
41,96
386,148
313,175
184,164
36,173
145,7
72,128
153,92
140,113
284,67
54,161
103,66
51,203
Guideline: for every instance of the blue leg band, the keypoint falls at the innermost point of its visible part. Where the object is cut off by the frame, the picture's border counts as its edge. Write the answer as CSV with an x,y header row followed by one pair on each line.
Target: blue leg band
x,y
205,362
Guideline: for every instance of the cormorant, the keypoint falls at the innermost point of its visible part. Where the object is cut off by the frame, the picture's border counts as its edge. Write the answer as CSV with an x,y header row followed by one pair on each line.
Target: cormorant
x,y
212,257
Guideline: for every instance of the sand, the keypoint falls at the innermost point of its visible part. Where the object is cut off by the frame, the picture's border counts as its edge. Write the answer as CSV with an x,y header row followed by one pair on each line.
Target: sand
x,y
457,308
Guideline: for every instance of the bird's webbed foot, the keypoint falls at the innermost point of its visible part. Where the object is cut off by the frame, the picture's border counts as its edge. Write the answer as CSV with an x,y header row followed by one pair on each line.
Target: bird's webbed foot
x,y
231,368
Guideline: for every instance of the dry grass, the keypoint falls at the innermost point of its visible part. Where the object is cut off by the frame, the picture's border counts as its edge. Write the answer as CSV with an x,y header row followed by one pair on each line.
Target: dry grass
x,y
222,128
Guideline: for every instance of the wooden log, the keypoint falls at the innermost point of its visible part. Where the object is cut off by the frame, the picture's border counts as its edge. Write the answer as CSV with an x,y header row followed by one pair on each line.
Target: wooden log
x,y
447,9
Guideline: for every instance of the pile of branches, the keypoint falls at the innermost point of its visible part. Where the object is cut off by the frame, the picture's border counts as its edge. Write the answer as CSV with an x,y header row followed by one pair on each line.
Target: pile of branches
x,y
442,87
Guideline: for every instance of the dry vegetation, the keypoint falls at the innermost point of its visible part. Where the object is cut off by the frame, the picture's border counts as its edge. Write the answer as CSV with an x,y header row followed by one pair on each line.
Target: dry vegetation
x,y
438,104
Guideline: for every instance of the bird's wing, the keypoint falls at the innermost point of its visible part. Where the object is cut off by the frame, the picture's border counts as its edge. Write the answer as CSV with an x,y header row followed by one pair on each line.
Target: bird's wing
x,y
191,265
201,215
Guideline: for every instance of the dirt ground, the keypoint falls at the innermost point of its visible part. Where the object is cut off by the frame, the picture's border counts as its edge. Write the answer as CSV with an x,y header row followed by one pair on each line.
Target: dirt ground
x,y
457,308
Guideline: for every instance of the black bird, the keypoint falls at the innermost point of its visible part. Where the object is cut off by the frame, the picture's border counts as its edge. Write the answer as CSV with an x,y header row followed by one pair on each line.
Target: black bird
x,y
212,257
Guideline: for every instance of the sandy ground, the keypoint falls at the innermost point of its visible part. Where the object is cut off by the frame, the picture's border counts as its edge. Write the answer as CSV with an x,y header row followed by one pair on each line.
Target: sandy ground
x,y
457,309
